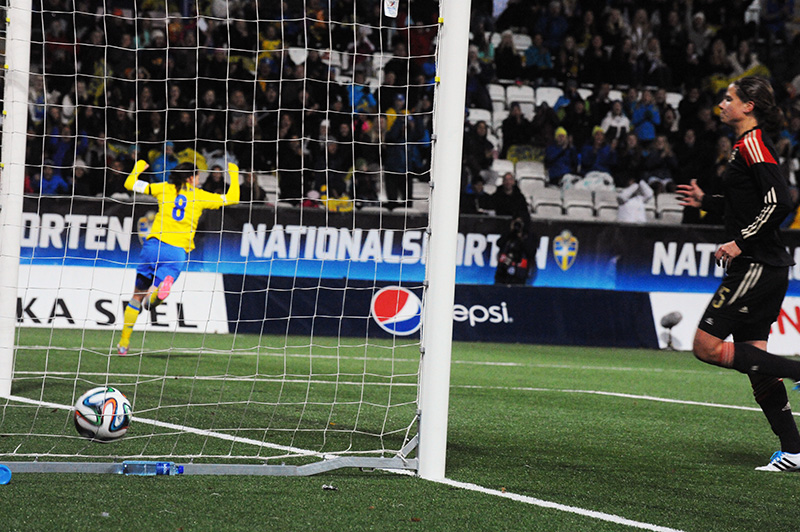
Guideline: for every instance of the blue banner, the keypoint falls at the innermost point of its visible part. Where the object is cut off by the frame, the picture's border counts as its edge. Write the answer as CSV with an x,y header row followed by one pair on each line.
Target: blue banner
x,y
312,243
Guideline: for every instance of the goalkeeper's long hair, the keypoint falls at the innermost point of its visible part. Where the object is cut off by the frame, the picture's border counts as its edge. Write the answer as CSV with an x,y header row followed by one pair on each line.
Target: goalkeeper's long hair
x,y
181,174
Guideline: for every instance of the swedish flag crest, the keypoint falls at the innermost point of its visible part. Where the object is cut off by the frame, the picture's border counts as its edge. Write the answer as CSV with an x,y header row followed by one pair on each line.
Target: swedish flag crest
x,y
565,249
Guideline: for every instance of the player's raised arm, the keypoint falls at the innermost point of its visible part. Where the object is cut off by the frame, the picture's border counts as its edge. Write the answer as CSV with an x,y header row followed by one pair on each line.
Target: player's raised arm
x,y
133,182
231,197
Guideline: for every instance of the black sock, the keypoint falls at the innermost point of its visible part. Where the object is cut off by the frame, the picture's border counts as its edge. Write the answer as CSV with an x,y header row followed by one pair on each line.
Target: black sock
x,y
770,394
750,359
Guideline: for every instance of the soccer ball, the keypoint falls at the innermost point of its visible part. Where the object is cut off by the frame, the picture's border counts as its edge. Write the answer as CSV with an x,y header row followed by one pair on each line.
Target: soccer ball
x,y
102,414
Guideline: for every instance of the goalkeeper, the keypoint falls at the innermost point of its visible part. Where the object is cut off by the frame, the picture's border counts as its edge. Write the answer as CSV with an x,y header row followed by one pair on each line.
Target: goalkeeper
x,y
165,252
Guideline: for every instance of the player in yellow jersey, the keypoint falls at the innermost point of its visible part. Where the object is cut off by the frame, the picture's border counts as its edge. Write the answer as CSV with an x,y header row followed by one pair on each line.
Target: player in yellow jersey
x,y
171,238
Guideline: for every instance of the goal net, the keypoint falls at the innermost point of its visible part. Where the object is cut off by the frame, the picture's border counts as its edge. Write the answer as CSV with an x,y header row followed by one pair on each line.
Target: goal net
x,y
292,336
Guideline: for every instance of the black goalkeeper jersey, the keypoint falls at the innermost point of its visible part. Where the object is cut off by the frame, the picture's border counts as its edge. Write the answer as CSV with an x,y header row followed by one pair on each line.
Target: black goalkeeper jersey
x,y
754,201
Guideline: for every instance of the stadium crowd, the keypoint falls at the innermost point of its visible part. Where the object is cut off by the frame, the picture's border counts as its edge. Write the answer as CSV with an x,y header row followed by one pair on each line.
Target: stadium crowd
x,y
336,101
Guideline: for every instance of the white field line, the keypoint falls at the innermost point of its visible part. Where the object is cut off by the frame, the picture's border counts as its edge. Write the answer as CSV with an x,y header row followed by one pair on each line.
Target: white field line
x,y
195,352
611,518
461,485
183,428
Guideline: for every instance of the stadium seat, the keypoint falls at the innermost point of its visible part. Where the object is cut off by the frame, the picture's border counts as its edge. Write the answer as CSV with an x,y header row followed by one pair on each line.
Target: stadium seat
x,y
579,212
475,115
497,118
522,41
297,55
520,94
585,93
529,185
496,92
578,203
548,94
668,208
674,99
615,94
607,212
546,202
531,169
528,109
650,210
420,189
501,166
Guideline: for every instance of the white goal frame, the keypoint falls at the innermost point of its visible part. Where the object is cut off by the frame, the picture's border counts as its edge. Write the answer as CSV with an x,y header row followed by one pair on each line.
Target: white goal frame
x,y
437,325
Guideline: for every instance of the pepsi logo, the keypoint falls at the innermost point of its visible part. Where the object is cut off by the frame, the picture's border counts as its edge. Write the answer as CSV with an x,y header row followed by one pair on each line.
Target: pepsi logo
x,y
397,310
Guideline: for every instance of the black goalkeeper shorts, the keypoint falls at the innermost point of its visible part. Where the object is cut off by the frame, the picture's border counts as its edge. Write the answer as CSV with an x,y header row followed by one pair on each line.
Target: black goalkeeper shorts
x,y
747,302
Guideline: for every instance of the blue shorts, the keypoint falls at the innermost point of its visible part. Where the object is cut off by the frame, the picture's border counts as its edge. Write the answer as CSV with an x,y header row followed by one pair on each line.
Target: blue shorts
x,y
158,260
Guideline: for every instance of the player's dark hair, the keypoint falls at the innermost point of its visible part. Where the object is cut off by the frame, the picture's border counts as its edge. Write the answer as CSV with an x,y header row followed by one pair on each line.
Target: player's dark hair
x,y
759,91
181,174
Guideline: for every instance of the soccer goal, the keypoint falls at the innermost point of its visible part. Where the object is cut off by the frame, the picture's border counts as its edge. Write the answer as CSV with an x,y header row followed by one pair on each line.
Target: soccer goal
x,y
312,326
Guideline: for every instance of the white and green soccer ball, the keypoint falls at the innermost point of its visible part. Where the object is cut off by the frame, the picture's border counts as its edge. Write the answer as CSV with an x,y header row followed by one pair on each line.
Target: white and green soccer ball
x,y
102,414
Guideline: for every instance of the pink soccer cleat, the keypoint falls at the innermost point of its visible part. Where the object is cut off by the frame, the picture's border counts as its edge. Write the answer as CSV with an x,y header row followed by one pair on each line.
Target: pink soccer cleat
x,y
165,287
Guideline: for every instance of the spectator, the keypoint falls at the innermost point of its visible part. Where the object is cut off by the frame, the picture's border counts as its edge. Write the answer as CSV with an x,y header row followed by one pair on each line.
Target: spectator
x,y
697,31
614,27
479,74
539,62
474,199
561,157
595,62
290,168
650,66
568,60
52,182
672,37
716,61
645,117
215,181
507,61
693,162
83,180
616,124
669,125
479,152
688,71
632,202
630,162
578,122
622,64
599,155
516,129
359,96
552,25
743,60
599,102
508,200
640,31
660,164
395,162
251,191
163,164
544,124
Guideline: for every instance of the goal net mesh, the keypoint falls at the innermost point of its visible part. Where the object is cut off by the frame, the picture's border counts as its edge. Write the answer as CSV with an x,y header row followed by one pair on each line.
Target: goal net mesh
x,y
277,343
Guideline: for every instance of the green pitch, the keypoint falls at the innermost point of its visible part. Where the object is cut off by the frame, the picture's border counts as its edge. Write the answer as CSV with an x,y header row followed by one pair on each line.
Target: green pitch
x,y
653,437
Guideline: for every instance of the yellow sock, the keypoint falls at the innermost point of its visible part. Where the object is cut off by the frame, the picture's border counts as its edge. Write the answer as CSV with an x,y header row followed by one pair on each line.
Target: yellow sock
x,y
131,313
154,301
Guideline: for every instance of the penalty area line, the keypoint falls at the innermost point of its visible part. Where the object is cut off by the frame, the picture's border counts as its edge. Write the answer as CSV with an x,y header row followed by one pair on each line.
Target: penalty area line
x,y
611,518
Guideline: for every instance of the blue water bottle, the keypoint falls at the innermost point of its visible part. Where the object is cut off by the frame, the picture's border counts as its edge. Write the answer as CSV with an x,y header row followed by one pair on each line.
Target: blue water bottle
x,y
150,468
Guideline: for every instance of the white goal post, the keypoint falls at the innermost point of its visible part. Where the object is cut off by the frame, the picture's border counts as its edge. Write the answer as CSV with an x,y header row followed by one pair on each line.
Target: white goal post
x,y
238,372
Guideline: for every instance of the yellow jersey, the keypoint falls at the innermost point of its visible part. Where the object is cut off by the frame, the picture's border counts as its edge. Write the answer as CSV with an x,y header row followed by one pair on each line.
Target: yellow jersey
x,y
179,211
